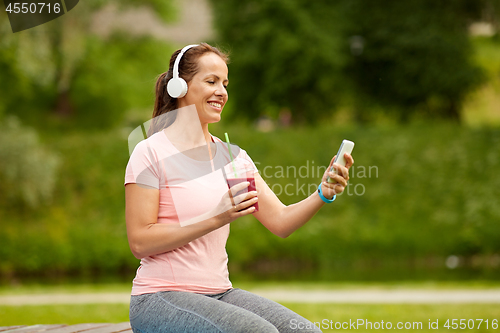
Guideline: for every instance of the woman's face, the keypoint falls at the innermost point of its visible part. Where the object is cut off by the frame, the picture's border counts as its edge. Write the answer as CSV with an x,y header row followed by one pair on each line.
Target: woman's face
x,y
207,90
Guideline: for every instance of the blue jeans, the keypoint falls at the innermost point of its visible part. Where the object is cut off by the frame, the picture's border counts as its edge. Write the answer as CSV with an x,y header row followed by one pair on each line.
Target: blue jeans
x,y
235,310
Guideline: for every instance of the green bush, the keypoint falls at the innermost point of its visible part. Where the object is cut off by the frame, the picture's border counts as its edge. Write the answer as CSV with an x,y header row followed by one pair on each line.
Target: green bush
x,y
27,169
433,192
83,230
116,75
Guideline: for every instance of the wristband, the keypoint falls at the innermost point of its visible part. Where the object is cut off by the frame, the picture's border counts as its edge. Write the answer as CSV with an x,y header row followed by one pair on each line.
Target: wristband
x,y
323,197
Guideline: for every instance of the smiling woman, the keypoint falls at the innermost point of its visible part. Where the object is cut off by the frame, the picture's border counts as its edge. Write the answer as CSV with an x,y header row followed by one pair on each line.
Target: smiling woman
x,y
207,88
188,67
179,208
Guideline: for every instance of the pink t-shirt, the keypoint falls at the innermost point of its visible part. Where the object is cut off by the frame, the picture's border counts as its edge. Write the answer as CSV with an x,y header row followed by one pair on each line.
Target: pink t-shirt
x,y
189,188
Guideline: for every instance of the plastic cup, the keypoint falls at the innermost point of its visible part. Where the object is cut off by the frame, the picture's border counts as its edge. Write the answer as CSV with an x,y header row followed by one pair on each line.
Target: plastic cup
x,y
241,172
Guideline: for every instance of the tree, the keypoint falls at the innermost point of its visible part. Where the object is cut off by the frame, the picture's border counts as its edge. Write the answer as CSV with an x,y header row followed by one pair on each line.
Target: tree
x,y
407,56
61,69
283,56
415,55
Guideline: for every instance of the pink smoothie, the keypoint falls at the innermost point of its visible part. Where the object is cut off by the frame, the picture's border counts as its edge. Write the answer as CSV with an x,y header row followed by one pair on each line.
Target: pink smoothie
x,y
251,187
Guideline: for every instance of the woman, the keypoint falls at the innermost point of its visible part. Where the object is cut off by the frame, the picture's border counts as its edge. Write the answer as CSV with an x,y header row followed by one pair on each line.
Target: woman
x,y
178,211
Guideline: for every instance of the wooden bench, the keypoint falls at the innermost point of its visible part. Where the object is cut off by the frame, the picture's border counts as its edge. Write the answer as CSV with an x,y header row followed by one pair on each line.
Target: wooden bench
x,y
87,328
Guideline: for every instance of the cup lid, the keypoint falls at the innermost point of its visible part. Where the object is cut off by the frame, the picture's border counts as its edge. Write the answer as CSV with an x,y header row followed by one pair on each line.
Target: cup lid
x,y
238,167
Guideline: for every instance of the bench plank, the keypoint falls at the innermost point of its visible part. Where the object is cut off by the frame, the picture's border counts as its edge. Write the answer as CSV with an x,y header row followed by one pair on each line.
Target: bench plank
x,y
114,328
78,328
9,328
57,328
34,328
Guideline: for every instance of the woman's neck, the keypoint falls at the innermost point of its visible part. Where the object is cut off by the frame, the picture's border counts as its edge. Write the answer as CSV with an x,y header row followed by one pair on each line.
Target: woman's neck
x,y
187,128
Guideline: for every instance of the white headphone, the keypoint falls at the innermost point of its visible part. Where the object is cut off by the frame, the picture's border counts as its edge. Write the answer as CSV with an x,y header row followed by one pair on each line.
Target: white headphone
x,y
176,86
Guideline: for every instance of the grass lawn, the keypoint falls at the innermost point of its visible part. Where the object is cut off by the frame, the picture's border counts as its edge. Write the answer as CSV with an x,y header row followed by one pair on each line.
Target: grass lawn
x,y
326,315
67,288
63,314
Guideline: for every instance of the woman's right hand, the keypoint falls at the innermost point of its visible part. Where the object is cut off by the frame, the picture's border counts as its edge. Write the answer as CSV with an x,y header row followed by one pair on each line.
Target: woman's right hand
x,y
233,205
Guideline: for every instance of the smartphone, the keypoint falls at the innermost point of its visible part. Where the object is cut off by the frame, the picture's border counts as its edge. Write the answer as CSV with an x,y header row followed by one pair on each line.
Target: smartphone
x,y
345,147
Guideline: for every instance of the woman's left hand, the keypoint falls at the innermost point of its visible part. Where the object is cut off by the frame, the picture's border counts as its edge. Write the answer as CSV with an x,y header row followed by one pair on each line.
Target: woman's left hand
x,y
340,176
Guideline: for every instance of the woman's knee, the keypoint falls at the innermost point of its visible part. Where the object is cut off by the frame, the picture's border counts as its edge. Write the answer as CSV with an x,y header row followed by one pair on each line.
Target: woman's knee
x,y
250,323
178,311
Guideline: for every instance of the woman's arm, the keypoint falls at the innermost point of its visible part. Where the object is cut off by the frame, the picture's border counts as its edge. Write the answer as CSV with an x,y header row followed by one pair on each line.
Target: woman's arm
x,y
147,237
283,220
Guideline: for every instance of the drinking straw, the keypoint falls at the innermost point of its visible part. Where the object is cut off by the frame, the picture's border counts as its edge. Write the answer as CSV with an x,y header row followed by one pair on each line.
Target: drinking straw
x,y
231,155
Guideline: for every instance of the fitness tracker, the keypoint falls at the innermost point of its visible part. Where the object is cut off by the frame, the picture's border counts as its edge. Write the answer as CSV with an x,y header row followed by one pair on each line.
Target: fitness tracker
x,y
323,197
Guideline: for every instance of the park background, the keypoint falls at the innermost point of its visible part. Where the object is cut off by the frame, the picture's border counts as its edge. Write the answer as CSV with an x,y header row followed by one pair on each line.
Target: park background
x,y
415,84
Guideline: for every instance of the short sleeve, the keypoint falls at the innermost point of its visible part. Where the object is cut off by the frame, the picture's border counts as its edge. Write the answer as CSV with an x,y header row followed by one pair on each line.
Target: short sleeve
x,y
143,166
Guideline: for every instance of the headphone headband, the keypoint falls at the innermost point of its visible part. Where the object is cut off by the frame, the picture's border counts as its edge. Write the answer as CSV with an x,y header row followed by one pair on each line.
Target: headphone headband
x,y
177,87
178,59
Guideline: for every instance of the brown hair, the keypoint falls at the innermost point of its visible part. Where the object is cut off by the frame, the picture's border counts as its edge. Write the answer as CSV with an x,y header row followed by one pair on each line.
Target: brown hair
x,y
188,67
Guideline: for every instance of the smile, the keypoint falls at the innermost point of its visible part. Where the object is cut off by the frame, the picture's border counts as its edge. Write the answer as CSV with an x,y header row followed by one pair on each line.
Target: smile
x,y
215,105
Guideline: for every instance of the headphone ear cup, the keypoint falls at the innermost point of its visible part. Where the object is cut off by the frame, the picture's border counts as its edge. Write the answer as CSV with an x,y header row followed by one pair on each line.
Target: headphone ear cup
x,y
177,87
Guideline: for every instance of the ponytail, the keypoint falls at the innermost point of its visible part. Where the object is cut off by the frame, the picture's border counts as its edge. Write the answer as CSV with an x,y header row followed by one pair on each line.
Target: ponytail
x,y
163,104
